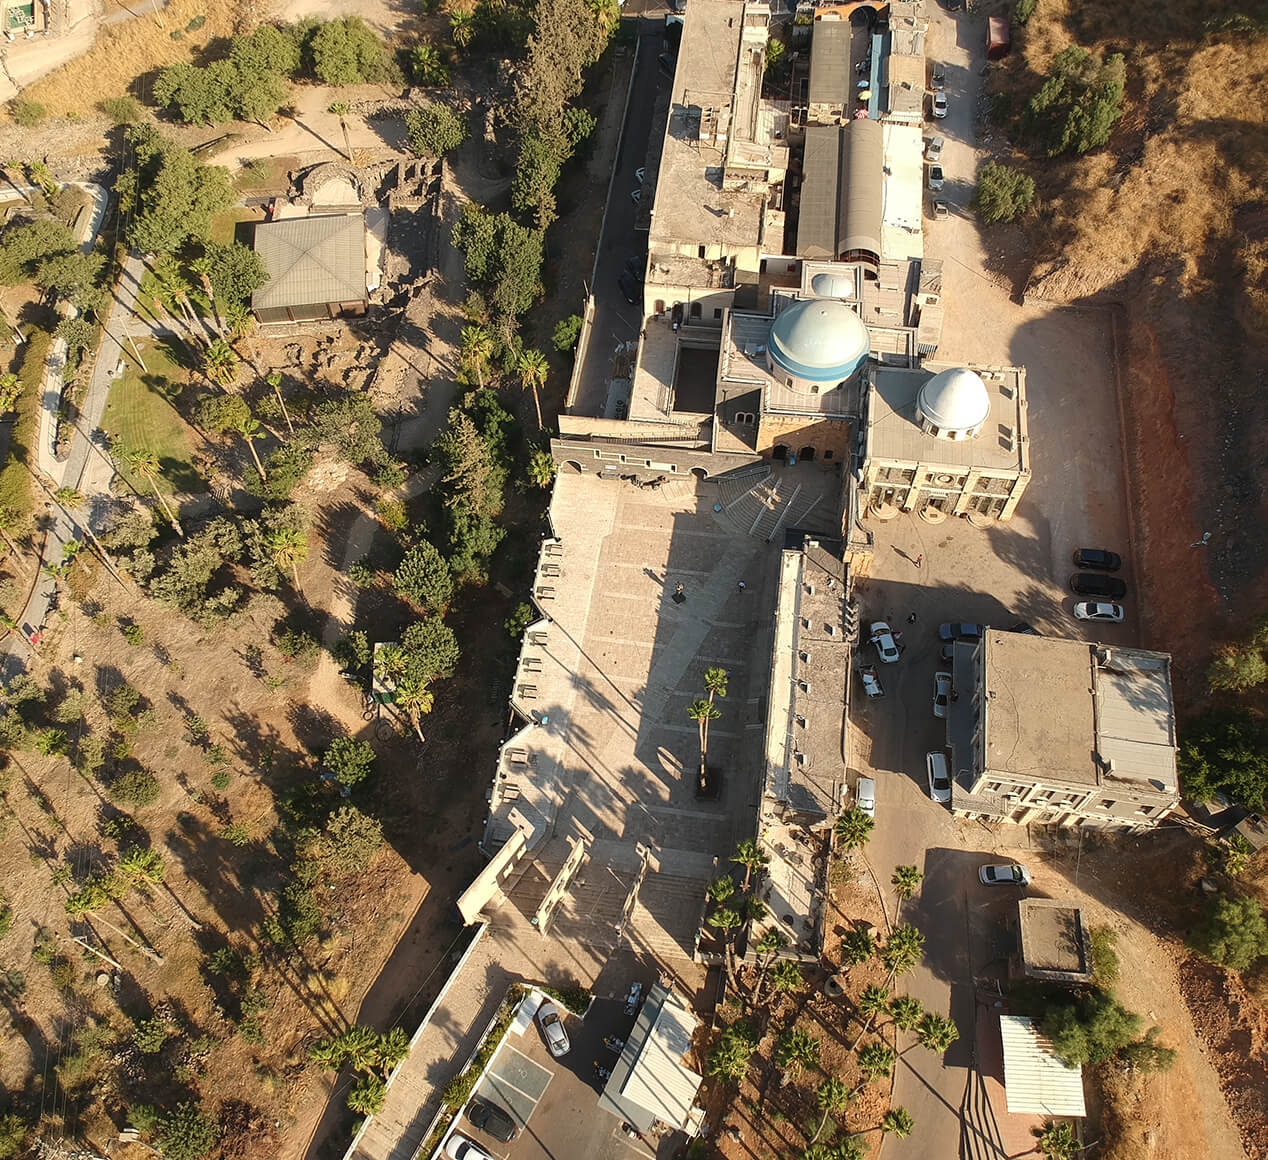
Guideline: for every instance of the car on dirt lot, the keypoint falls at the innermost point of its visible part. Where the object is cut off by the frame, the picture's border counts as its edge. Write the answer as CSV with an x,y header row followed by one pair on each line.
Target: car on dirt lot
x,y
958,631
1005,874
941,694
1095,584
871,682
553,1028
933,151
1106,611
940,209
939,105
460,1148
1098,559
939,776
882,636
492,1120
936,179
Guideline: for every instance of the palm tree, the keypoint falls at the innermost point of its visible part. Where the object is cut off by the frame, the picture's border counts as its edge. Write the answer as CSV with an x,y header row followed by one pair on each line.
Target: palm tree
x,y
857,947
904,882
477,347
203,267
720,889
146,463
748,853
532,367
794,1050
367,1095
897,1122
249,428
289,547
768,946
275,381
414,698
220,362
875,1060
715,683
702,712
541,468
1056,1140
832,1097
907,1011
727,921
752,909
853,828
873,1001
70,500
936,1033
902,950
174,284
340,109
462,29
786,977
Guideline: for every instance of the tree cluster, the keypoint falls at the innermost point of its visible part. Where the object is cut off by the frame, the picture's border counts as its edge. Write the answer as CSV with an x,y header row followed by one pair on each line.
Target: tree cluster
x,y
435,129
1078,103
503,259
371,1055
1225,751
1003,193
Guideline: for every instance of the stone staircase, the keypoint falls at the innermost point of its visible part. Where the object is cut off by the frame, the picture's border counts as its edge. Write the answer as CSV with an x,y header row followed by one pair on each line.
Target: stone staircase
x,y
778,501
666,916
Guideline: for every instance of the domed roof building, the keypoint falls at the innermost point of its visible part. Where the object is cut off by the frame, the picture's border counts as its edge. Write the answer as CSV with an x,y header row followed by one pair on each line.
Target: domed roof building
x,y
817,344
953,404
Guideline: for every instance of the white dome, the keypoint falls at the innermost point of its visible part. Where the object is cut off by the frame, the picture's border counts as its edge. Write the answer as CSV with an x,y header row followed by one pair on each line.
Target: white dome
x,y
819,341
832,285
955,402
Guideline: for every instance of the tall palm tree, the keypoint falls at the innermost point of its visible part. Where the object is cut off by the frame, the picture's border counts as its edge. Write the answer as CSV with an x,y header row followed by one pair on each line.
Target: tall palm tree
x,y
340,109
71,500
532,368
875,1060
289,547
905,881
786,977
727,921
715,682
857,946
853,828
414,699
176,286
702,712
220,362
462,29
203,267
146,463
902,950
720,889
477,348
936,1033
768,946
275,381
751,856
249,428
832,1098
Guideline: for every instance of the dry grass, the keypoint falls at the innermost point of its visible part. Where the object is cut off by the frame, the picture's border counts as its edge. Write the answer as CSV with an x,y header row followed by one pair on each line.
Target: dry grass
x,y
125,52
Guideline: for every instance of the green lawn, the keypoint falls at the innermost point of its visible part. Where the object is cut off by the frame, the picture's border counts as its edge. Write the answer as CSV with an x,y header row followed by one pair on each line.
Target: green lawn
x,y
141,413
224,226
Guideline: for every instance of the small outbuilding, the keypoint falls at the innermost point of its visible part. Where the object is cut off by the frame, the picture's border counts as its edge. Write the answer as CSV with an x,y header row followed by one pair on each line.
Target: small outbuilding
x,y
1036,1082
317,268
998,38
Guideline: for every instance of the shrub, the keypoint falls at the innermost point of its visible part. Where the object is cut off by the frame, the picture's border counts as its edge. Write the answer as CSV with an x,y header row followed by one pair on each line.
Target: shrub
x,y
1024,10
424,578
286,467
52,743
1104,957
150,1035
1003,193
122,700
26,112
220,779
520,619
1225,752
1237,667
122,110
297,645
348,841
135,787
236,834
391,513
349,760
567,333
1234,933
1076,107
352,651
388,475
363,574
575,999
186,1134
134,634
347,52
435,129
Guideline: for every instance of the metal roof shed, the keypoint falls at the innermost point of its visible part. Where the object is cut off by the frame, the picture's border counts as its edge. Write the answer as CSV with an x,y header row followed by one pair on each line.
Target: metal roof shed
x,y
316,265
1036,1082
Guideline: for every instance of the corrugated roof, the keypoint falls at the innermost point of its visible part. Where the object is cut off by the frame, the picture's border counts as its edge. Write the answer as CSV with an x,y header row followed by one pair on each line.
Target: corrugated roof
x,y
861,201
311,260
830,63
659,1081
1036,1082
820,183
1135,721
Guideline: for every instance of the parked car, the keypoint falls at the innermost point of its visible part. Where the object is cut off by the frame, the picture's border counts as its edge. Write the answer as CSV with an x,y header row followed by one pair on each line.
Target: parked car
x,y
936,180
969,632
1095,584
883,638
629,288
492,1120
933,151
941,694
939,777
871,682
634,268
1007,874
460,1148
947,655
865,796
1098,559
1099,610
938,81
939,105
632,999
553,1028
940,209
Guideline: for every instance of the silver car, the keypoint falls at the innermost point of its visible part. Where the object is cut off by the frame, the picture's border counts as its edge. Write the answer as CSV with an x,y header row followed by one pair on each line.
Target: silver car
x,y
1006,874
882,636
553,1028
941,694
933,151
1105,610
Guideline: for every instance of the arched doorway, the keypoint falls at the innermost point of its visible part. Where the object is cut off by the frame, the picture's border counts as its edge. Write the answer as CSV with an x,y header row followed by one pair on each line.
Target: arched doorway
x,y
806,455
700,473
572,467
779,452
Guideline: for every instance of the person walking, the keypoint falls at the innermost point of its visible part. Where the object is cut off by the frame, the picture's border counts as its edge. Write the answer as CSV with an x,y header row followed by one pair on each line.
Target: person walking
x,y
741,585
920,560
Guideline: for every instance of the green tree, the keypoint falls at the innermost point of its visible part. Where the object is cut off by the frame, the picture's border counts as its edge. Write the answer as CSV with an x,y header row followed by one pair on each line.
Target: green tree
x,y
25,244
568,37
1003,193
347,52
470,476
186,1134
236,271
268,49
1225,752
541,468
477,349
702,712
747,853
428,66
794,1050
1088,1029
857,946
1147,1054
424,578
435,129
366,1096
730,1056
220,363
831,1098
348,760
74,277
1237,667
170,197
936,1032
897,1122
903,949
1233,933
853,829
875,1060
532,368
907,1011
288,547
1080,100
786,977
1056,1140
502,258
567,333
146,464
905,881
536,174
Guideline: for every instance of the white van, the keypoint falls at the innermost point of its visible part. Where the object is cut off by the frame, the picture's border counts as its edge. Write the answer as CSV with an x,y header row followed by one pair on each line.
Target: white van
x,y
865,796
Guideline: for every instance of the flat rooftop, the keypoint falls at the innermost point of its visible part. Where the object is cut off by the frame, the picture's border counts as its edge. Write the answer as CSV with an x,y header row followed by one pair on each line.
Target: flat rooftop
x,y
894,434
831,82
716,95
1052,939
902,203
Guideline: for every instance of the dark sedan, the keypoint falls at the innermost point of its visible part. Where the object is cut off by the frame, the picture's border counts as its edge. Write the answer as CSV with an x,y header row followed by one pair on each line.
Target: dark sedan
x,y
493,1120
629,288
1098,559
1093,584
968,632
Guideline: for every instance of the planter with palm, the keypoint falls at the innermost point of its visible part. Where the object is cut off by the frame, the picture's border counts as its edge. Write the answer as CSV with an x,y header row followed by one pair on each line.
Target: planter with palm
x,y
531,368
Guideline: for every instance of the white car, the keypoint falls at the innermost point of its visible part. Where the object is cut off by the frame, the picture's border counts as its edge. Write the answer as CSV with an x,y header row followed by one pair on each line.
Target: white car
x,y
460,1148
553,1028
871,682
1099,610
939,105
939,776
1009,874
933,151
882,636
941,694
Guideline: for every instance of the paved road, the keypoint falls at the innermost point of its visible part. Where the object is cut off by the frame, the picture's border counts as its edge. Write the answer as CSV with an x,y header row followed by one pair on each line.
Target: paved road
x,y
615,320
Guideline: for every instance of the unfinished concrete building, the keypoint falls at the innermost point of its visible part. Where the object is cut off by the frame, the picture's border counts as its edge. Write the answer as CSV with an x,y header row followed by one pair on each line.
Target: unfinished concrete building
x,y
1052,942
